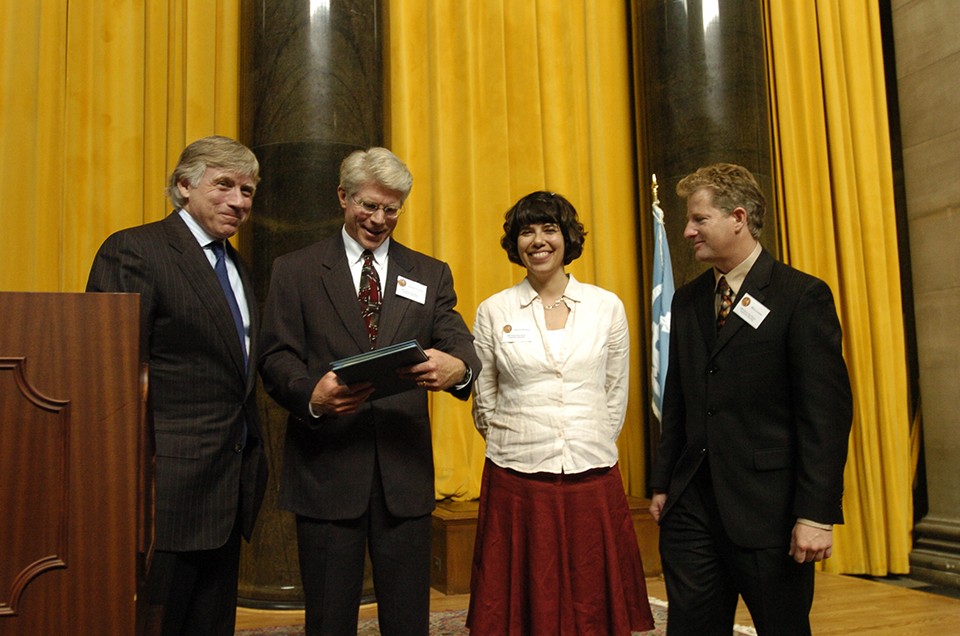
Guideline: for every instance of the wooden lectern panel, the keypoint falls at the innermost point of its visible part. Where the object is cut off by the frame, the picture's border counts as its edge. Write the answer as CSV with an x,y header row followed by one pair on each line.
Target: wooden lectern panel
x,y
75,468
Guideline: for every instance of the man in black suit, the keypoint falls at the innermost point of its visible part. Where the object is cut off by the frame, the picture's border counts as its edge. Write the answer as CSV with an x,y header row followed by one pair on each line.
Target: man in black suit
x,y
358,470
757,409
200,336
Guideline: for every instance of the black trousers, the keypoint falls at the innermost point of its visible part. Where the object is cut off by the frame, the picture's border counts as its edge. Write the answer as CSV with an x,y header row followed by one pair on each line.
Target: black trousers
x,y
192,593
331,569
705,573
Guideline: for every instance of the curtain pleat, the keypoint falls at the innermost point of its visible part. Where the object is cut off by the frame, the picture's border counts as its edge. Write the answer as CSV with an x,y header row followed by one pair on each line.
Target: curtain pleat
x,y
32,95
97,102
839,224
490,100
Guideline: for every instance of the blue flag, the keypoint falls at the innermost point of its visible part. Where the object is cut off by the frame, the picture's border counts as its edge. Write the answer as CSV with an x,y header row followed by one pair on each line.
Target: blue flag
x,y
660,310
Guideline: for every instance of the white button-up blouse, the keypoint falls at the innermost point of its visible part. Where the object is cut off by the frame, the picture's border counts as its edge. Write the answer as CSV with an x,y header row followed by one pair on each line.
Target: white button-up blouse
x,y
544,408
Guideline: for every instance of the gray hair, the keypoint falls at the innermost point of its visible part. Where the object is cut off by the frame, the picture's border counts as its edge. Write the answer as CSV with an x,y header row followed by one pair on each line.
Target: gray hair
x,y
211,152
375,165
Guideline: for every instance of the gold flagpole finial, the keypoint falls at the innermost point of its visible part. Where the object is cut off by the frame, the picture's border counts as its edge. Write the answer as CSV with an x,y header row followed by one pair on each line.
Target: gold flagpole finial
x,y
655,187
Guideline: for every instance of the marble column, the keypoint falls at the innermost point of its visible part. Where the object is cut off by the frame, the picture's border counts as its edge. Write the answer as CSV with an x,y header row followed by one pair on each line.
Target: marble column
x,y
310,93
702,99
700,84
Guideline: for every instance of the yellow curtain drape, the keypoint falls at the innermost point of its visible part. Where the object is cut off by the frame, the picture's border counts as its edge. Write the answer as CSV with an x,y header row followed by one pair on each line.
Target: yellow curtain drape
x,y
489,100
98,100
838,220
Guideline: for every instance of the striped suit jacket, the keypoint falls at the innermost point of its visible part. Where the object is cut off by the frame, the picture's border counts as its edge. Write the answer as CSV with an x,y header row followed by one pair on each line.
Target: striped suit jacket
x,y
200,392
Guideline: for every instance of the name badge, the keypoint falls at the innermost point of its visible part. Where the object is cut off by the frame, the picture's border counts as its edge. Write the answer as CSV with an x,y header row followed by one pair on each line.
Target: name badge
x,y
751,310
517,333
417,292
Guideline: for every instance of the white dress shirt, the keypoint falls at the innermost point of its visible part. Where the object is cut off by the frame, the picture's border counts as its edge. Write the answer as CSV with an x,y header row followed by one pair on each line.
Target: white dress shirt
x,y
355,259
544,406
204,239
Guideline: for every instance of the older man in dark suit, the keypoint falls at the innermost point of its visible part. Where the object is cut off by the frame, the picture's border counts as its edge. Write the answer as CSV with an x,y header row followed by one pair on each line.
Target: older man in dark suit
x,y
198,326
757,409
358,470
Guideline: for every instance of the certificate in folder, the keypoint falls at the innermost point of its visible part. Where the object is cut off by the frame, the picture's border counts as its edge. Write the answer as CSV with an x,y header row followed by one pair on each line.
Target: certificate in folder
x,y
379,366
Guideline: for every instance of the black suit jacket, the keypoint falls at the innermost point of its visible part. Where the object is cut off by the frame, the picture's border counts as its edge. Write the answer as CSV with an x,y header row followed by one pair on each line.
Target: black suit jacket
x,y
769,408
200,392
312,318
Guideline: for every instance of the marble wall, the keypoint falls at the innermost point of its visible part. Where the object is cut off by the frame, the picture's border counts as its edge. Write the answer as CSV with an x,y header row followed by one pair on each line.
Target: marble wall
x,y
927,67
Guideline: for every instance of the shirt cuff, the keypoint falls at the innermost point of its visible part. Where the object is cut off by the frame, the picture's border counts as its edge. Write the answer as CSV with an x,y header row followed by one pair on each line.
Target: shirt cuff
x,y
814,524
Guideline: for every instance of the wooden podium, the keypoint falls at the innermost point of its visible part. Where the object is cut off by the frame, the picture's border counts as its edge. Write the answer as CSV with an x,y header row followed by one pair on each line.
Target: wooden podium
x,y
75,464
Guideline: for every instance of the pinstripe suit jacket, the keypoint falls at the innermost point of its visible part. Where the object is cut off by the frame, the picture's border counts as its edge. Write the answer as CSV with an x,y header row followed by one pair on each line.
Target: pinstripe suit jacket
x,y
200,393
312,318
769,408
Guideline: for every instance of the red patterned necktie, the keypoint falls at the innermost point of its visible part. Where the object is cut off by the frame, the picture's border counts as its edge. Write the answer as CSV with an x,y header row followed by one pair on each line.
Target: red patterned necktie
x,y
370,297
726,301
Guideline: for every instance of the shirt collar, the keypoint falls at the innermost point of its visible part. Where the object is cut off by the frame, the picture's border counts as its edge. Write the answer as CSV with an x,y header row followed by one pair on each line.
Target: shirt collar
x,y
573,291
355,251
738,274
198,232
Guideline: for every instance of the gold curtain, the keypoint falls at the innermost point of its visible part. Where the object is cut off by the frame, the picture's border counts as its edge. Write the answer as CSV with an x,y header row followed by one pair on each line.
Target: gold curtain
x,y
837,215
98,100
489,100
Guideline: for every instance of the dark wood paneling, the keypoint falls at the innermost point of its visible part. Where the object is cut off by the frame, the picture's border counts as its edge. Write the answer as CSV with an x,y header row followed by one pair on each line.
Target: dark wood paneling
x,y
74,500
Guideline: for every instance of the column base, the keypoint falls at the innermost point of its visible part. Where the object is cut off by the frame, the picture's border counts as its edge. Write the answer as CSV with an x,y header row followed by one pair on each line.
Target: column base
x,y
935,557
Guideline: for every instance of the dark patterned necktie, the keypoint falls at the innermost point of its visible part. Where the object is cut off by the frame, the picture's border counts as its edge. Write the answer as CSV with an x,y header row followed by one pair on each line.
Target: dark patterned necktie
x,y
370,297
726,301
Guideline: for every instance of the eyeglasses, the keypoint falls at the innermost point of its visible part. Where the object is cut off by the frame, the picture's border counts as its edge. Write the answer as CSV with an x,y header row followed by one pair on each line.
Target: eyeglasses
x,y
389,211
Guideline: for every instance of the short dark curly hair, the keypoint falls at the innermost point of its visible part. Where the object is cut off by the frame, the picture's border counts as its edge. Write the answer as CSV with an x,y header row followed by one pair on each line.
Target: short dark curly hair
x,y
543,207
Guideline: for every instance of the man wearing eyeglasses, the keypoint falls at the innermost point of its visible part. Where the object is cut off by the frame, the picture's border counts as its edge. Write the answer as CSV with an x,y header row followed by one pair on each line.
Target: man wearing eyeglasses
x,y
358,470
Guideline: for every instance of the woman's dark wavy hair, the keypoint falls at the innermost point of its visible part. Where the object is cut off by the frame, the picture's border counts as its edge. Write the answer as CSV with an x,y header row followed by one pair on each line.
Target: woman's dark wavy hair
x,y
543,207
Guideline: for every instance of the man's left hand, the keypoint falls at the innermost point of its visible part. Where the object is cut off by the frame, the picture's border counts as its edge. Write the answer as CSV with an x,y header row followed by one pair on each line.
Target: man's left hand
x,y
808,543
439,373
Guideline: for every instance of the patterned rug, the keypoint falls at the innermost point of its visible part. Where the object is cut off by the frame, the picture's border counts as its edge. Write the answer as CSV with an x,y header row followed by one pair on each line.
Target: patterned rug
x,y
452,623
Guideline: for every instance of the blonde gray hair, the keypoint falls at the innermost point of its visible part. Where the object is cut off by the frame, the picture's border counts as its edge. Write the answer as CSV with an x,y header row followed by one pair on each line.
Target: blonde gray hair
x,y
733,187
375,165
211,152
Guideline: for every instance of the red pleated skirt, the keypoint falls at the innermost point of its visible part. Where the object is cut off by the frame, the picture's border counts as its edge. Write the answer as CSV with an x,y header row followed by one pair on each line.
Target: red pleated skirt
x,y
556,554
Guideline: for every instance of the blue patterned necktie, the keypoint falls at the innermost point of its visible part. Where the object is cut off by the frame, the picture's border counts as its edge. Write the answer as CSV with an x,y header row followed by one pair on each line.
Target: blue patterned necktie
x,y
369,297
221,269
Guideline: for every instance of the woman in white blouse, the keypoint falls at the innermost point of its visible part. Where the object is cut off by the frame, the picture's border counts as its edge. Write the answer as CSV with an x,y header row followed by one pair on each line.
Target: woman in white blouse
x,y
555,549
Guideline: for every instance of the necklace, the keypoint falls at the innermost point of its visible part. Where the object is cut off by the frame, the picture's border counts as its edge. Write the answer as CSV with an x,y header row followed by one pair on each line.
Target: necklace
x,y
553,305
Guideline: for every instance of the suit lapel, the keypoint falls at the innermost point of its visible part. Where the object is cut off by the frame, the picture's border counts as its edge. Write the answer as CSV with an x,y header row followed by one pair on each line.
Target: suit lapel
x,y
337,283
393,310
705,308
755,284
252,312
203,281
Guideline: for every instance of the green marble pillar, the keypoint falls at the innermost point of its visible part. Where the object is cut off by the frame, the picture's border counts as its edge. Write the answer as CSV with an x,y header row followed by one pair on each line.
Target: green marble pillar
x,y
702,98
310,93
